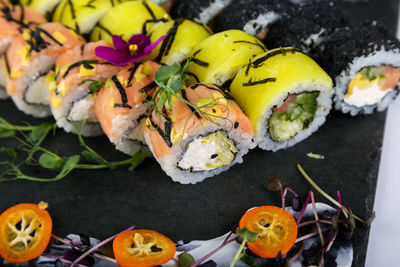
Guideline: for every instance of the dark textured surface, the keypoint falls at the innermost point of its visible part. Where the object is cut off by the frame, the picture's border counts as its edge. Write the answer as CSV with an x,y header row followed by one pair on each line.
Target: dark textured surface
x,y
101,203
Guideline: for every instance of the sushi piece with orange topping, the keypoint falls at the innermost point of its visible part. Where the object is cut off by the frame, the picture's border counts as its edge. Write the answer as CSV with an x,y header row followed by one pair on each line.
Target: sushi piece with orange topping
x,y
74,85
192,144
13,21
28,61
120,109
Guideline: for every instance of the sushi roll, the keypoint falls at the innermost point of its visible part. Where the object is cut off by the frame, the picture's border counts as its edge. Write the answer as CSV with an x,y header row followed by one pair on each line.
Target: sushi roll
x,y
204,11
82,15
79,75
191,145
44,7
119,106
285,94
364,60
305,26
30,58
127,19
254,17
13,20
218,58
166,4
181,37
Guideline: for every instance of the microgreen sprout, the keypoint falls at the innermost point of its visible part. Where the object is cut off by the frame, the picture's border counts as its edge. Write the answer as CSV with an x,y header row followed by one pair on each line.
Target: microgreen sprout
x,y
247,236
94,86
31,144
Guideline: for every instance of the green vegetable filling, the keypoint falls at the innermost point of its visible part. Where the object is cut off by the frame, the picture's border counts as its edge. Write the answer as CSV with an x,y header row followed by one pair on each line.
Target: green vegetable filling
x,y
283,125
373,72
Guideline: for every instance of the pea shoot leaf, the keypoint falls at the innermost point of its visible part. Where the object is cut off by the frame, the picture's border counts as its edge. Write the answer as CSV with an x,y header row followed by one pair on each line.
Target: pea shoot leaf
x,y
138,158
51,162
247,234
5,133
13,152
249,260
164,74
92,157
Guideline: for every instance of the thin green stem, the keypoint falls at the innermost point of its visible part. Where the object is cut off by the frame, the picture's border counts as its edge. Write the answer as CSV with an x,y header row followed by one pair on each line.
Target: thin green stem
x,y
238,253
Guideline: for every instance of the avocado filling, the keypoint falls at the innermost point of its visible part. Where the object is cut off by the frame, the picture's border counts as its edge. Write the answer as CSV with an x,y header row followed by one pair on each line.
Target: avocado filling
x,y
371,84
208,153
292,116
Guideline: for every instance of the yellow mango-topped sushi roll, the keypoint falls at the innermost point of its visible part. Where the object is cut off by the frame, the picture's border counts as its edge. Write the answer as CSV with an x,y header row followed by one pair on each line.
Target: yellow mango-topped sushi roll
x,y
127,19
44,7
82,15
181,37
218,58
285,94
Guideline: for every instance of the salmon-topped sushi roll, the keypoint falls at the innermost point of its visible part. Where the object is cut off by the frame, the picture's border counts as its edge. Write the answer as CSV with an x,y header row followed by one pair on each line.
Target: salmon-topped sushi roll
x,y
13,21
120,106
73,88
28,61
191,143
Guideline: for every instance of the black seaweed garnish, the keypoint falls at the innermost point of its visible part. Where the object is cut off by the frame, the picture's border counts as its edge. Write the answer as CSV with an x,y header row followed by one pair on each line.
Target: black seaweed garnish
x,y
101,27
247,42
122,106
121,89
148,87
257,63
149,10
169,40
132,74
193,75
253,83
199,62
165,136
85,63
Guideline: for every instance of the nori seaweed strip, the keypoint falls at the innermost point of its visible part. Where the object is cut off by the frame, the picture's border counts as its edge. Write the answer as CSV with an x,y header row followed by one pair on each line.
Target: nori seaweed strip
x,y
168,41
166,137
7,65
247,42
193,75
226,94
122,106
203,26
49,35
144,27
148,87
22,18
89,4
199,62
82,49
132,70
246,73
197,52
104,29
78,64
149,9
71,6
251,83
184,96
261,60
121,89
7,15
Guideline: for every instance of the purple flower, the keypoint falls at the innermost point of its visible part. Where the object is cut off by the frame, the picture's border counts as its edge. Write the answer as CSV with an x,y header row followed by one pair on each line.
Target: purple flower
x,y
137,48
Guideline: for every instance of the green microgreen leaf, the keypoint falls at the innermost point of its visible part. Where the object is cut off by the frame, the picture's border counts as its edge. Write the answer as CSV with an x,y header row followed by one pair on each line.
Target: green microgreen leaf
x,y
5,133
164,73
185,260
247,234
13,152
137,159
177,85
92,157
49,161
249,260
95,86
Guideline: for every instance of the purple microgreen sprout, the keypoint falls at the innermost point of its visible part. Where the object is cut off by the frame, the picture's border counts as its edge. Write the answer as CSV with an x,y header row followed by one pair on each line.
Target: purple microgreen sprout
x,y
322,192
138,47
316,218
94,248
226,242
67,241
62,259
303,210
247,236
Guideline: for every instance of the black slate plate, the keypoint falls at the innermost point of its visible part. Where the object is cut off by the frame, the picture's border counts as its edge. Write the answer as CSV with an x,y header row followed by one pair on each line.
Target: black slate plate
x,y
101,203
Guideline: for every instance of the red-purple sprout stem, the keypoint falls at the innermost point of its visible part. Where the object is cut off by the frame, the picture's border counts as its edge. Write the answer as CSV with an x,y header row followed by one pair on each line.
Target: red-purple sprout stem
x,y
94,248
62,259
226,242
67,241
102,257
340,202
303,210
283,195
314,222
316,218
298,253
307,236
284,198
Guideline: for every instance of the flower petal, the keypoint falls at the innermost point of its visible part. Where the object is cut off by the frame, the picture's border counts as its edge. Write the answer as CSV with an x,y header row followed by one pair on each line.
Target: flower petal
x,y
149,48
113,56
140,39
120,43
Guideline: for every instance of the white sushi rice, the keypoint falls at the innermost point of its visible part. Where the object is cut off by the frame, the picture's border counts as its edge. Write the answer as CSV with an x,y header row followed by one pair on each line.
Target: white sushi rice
x,y
263,21
242,140
128,137
324,105
209,13
4,44
38,67
381,57
77,112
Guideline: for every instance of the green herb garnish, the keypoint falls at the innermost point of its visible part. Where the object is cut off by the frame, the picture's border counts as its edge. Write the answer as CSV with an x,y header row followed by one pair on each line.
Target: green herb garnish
x,y
95,86
247,236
